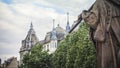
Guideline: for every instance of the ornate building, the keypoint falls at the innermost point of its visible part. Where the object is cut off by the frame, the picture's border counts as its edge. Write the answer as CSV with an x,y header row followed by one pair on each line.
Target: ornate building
x,y
50,42
52,38
30,40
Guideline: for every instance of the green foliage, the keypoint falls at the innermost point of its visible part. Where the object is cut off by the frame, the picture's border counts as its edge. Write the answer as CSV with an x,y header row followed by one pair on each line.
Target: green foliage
x,y
37,58
75,51
59,57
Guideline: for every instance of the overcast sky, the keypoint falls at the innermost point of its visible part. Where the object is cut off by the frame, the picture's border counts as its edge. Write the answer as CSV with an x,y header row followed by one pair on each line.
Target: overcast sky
x,y
16,16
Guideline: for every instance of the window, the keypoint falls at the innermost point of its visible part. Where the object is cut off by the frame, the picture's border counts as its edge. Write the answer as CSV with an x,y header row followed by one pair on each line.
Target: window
x,y
27,46
55,45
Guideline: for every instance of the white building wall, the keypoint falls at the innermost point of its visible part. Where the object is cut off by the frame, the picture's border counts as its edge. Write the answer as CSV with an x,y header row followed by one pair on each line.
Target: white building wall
x,y
51,46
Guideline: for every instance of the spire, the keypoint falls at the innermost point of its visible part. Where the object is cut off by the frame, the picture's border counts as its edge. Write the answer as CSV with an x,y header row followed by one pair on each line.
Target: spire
x,y
67,26
53,33
31,30
31,26
67,17
53,23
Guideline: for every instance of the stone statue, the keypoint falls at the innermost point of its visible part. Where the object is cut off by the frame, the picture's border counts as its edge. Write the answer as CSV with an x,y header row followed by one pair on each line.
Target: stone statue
x,y
103,19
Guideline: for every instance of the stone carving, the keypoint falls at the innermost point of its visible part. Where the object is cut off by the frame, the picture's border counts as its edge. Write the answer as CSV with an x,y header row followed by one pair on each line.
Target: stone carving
x,y
103,19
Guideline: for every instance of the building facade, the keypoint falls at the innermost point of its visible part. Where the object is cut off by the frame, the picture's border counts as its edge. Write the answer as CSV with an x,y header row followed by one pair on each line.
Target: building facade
x,y
30,40
10,63
52,39
50,42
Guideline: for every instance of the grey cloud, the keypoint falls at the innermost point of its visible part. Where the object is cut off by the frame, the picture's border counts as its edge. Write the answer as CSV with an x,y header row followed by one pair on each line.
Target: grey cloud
x,y
7,51
5,36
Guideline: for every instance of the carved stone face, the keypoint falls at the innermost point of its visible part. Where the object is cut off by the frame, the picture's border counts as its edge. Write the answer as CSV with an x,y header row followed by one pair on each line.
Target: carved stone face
x,y
90,18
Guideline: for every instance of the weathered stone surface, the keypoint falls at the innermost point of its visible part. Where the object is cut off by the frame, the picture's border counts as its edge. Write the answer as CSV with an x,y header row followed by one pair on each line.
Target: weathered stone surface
x,y
104,21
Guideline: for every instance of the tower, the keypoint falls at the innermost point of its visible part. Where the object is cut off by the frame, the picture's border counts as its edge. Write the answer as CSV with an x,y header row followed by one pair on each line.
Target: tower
x,y
68,25
30,40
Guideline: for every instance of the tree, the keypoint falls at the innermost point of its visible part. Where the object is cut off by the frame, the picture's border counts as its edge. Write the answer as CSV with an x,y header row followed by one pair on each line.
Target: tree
x,y
37,58
75,51
59,57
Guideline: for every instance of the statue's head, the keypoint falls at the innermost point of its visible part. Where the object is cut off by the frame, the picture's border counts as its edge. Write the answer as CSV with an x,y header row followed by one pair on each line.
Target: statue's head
x,y
90,18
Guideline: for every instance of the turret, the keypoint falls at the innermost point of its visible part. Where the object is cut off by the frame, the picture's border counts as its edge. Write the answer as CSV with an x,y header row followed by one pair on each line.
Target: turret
x,y
30,40
53,33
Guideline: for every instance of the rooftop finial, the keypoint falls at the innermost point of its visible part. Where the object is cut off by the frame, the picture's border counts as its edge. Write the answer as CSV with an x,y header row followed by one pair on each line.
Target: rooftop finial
x,y
67,17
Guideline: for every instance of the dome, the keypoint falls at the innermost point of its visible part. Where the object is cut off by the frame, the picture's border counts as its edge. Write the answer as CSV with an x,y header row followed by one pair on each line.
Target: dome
x,y
60,32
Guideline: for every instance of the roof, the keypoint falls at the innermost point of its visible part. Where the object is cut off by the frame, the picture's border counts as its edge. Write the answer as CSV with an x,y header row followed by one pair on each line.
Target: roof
x,y
30,40
60,32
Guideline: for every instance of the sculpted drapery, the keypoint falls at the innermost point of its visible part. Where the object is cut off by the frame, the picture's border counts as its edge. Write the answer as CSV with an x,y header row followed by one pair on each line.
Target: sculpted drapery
x,y
104,22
